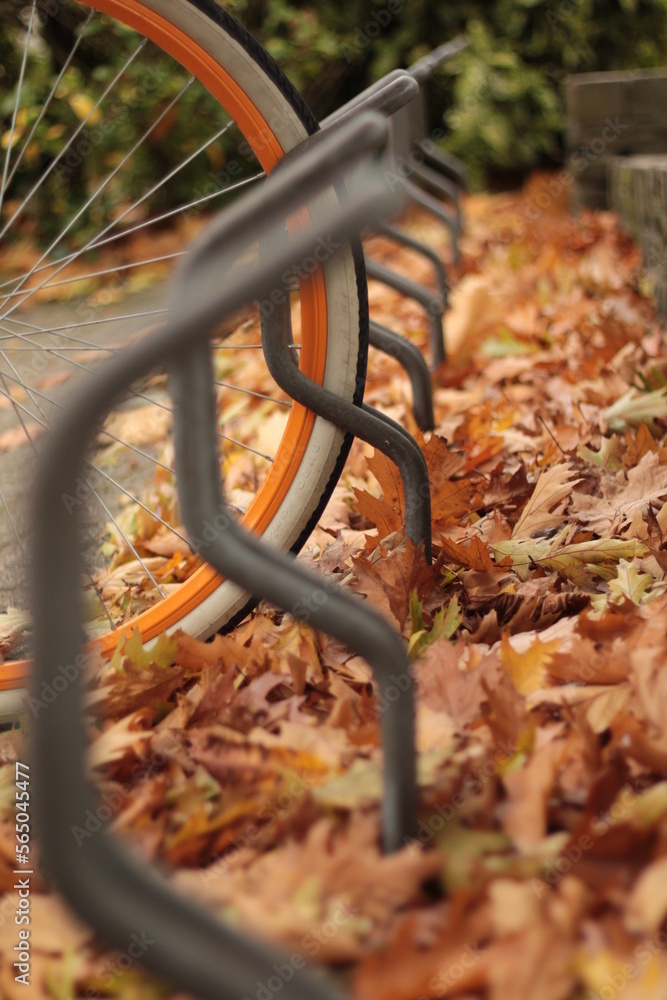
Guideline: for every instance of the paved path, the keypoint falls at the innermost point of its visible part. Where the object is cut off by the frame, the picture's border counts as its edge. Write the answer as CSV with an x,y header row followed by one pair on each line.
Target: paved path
x,y
18,462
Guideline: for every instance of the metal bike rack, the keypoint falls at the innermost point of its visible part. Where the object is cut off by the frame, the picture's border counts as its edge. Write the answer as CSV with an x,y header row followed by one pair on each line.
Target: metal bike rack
x,y
113,891
411,360
364,422
427,169
388,96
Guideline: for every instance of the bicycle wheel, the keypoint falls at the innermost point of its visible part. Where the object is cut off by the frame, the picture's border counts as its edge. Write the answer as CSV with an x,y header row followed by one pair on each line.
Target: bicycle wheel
x,y
113,180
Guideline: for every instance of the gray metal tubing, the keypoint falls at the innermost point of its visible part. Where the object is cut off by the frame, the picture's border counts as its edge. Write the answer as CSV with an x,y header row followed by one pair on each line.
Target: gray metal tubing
x,y
435,181
438,211
360,100
365,422
445,162
308,174
423,69
411,360
433,306
276,577
116,893
399,236
386,100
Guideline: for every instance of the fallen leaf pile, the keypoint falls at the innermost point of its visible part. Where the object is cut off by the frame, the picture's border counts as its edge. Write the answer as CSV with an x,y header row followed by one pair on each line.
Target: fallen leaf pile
x,y
252,765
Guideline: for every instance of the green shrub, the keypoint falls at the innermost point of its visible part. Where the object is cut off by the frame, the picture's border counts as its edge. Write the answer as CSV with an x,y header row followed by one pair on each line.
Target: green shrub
x,y
501,100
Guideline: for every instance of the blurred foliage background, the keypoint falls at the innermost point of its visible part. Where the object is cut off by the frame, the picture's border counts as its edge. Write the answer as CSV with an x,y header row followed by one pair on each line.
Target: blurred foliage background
x,y
501,101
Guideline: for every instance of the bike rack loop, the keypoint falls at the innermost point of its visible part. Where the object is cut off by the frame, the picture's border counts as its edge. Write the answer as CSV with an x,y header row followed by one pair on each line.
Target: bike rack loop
x,y
363,421
388,95
425,250
114,892
433,306
394,95
411,359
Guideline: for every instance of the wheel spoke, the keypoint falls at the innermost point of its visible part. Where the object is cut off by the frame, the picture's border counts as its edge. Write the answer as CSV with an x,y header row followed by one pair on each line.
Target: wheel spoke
x,y
28,198
47,102
84,208
65,216
130,265
19,89
154,221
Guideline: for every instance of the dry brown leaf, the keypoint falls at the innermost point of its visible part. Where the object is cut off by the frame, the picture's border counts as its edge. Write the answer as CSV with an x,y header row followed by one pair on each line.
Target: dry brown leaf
x,y
548,502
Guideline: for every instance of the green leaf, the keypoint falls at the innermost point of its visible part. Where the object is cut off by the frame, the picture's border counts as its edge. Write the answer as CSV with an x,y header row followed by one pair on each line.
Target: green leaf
x,y
162,653
445,624
634,408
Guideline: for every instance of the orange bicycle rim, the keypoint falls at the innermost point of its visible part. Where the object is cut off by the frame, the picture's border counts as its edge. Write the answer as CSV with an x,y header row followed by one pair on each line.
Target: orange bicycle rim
x,y
168,612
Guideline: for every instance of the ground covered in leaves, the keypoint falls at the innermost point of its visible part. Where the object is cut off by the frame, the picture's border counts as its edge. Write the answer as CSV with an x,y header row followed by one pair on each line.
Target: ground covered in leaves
x,y
252,765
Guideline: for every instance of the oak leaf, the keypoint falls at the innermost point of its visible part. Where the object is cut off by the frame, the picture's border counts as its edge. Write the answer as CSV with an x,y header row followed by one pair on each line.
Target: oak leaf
x,y
473,554
390,581
548,502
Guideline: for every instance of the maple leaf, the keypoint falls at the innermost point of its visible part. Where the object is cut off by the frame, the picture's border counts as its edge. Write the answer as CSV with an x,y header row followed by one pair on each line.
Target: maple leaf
x,y
451,498
548,502
628,585
390,582
529,667
387,514
131,649
473,554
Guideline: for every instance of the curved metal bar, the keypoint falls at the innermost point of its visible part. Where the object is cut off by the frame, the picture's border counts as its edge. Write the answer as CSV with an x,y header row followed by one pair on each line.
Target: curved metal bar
x,y
433,180
387,96
411,360
438,211
363,421
432,305
276,577
425,250
116,893
446,163
358,103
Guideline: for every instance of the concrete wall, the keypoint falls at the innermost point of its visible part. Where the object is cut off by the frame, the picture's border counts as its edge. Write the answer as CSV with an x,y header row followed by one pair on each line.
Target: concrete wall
x,y
638,193
608,115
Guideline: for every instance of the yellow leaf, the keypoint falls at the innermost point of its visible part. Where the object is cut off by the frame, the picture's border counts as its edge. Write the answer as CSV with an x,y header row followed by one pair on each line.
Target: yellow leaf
x,y
528,669
629,584
82,105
